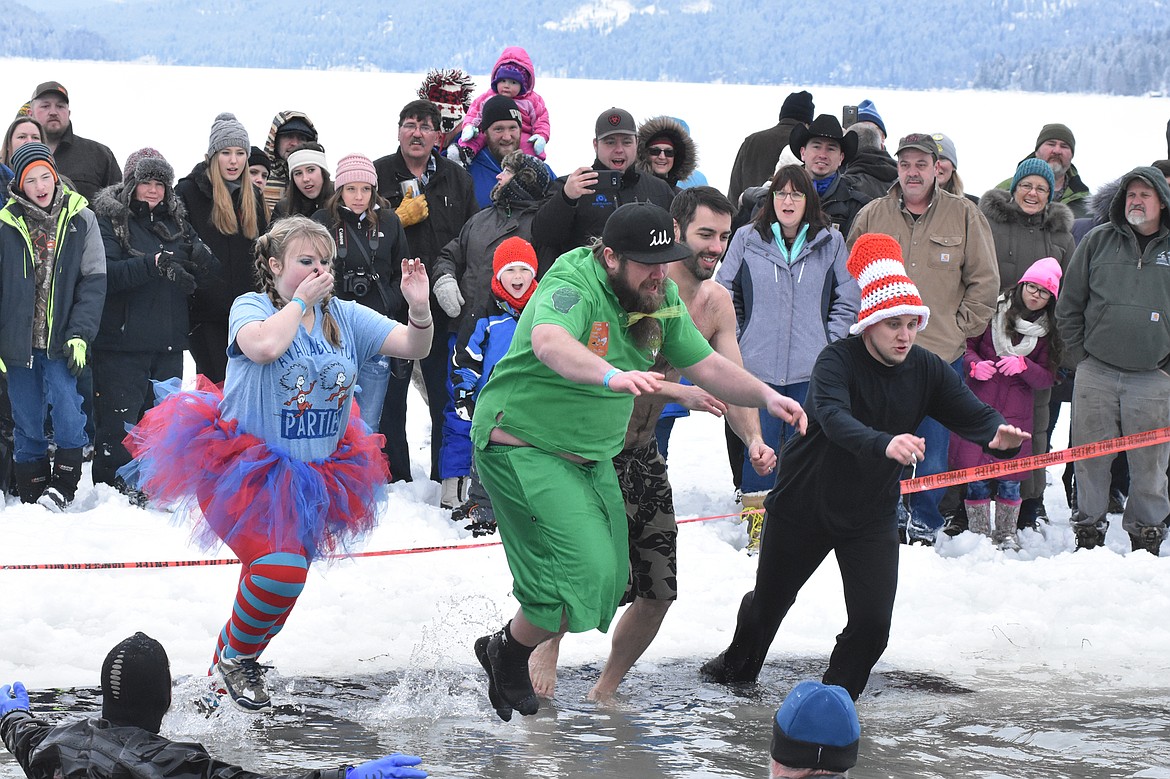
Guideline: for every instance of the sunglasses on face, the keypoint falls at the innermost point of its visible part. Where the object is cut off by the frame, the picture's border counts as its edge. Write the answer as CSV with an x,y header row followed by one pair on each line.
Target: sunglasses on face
x,y
661,151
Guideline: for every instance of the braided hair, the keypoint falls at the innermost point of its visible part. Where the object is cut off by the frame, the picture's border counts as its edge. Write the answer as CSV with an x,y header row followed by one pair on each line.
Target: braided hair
x,y
274,244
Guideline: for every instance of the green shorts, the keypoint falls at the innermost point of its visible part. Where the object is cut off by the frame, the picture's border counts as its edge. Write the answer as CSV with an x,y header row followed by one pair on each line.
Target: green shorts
x,y
564,531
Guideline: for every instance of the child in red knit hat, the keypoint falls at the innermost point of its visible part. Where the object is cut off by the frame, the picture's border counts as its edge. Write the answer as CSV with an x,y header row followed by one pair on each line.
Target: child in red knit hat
x,y
482,343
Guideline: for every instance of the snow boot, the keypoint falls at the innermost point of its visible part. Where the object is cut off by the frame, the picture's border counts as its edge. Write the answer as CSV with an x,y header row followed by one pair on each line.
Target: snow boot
x,y
455,489
508,671
1006,515
31,479
955,520
979,516
63,484
1148,538
1093,535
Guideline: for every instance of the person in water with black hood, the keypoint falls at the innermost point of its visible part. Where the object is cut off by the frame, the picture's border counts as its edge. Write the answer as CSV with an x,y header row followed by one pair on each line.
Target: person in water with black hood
x,y
125,740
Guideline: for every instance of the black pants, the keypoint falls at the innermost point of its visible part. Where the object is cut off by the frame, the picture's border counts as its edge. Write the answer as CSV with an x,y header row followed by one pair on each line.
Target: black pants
x,y
122,394
208,346
792,550
393,422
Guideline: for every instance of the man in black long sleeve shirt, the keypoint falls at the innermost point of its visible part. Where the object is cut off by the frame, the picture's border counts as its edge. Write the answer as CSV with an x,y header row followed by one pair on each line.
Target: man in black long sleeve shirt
x,y
838,485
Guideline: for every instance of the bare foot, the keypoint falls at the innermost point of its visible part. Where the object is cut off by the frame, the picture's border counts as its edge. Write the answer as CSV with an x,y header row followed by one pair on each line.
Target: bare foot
x,y
600,695
542,667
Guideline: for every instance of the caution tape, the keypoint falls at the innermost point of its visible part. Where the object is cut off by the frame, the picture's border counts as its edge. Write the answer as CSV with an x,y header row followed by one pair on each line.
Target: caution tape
x,y
919,484
1082,452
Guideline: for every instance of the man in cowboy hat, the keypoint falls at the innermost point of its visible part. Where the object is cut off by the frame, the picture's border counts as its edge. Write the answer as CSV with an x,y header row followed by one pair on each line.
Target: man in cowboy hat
x,y
825,149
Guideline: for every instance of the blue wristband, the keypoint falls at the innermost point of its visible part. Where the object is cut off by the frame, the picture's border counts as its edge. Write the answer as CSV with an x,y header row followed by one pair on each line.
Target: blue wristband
x,y
304,305
609,375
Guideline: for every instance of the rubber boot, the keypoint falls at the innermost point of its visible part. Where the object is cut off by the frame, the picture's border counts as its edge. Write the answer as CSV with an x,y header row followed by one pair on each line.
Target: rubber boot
x,y
63,484
1006,514
979,516
753,514
31,479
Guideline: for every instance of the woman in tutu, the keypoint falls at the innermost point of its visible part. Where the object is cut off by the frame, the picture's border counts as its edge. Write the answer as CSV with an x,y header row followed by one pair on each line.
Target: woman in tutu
x,y
275,467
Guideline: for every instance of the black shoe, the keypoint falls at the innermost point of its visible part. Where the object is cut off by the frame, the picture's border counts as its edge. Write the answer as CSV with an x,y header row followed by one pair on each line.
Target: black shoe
x,y
1091,536
503,710
1116,502
1148,538
1030,511
510,671
954,522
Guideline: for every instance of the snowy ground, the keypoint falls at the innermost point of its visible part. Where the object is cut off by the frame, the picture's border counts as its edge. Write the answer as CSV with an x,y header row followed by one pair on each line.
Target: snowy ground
x,y
1041,624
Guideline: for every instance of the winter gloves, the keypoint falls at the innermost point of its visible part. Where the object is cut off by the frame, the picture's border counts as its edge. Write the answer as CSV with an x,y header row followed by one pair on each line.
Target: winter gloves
x,y
464,404
982,370
1011,365
469,132
177,267
75,349
412,210
14,697
395,766
447,293
538,143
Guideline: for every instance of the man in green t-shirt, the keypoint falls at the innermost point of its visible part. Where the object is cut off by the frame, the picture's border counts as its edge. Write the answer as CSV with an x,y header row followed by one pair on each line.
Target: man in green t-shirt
x,y
553,415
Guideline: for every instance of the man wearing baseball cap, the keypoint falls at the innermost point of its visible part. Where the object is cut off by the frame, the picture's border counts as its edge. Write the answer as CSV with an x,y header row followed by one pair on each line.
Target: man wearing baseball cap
x,y
553,415
839,486
89,165
1056,144
950,255
582,201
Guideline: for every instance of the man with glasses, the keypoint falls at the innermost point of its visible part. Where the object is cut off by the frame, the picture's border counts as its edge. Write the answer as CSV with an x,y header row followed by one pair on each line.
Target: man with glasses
x,y
950,255
582,202
1112,313
433,197
1056,145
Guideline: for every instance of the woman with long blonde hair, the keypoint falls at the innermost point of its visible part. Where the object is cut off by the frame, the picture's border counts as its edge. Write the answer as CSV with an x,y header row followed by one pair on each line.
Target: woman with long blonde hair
x,y
227,212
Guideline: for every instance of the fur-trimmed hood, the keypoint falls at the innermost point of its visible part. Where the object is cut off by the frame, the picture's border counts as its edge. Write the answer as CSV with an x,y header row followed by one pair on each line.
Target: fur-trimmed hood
x,y
1151,176
998,205
686,156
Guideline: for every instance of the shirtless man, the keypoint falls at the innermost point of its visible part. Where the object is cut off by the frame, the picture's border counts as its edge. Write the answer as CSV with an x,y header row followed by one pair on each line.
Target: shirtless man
x,y
702,220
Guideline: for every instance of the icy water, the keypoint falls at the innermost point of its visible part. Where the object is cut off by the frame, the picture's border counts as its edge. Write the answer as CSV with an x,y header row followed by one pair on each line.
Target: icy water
x,y
669,724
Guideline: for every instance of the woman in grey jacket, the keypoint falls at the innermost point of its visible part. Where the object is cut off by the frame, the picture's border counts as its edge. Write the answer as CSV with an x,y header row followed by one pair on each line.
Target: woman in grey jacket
x,y
793,294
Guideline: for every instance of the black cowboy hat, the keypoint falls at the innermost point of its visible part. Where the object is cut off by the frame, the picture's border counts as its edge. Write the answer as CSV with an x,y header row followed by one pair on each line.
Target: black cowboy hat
x,y
824,126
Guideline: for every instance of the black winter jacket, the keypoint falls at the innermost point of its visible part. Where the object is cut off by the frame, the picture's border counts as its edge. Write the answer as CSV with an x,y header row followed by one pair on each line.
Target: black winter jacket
x,y
562,224
358,262
99,749
144,311
87,164
79,281
213,301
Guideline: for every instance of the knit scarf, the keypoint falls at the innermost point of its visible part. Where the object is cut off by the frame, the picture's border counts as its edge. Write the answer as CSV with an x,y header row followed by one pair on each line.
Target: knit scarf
x,y
506,296
42,234
797,244
1030,332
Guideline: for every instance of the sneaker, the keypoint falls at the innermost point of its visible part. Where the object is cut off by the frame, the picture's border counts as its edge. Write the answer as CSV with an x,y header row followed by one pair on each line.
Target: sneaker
x,y
54,500
918,533
243,679
1148,538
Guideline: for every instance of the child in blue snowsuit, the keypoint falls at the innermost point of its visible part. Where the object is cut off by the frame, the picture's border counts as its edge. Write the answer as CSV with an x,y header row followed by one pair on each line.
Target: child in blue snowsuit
x,y
482,343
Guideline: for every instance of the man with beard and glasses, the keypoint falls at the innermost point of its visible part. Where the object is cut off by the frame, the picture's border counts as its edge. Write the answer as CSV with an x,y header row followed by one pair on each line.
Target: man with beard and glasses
x,y
702,222
1114,316
1056,145
554,414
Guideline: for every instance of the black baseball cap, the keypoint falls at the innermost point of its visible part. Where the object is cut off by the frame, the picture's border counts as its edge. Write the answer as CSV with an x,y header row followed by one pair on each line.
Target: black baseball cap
x,y
614,121
643,232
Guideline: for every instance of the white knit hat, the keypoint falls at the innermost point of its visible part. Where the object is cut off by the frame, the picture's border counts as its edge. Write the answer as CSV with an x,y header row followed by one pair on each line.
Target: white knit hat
x,y
886,290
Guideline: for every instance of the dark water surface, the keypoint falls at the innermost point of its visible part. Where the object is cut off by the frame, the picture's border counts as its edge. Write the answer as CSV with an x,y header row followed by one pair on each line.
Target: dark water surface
x,y
669,724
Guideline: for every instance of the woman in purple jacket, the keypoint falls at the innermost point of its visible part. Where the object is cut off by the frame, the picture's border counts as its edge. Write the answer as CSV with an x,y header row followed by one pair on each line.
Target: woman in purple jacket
x,y
1017,355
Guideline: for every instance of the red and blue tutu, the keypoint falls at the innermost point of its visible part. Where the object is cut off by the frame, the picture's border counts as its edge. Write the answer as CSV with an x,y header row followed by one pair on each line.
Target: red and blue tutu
x,y
240,491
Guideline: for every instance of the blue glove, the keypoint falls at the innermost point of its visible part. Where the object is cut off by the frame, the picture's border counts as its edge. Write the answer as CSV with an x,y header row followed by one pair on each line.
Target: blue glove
x,y
395,766
14,697
537,144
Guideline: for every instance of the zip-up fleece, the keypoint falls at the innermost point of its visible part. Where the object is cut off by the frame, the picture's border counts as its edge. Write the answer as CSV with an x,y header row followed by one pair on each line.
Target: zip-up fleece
x,y
1114,301
78,289
788,313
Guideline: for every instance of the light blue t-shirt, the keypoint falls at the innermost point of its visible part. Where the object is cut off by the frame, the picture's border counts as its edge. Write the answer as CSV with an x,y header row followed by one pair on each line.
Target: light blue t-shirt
x,y
299,404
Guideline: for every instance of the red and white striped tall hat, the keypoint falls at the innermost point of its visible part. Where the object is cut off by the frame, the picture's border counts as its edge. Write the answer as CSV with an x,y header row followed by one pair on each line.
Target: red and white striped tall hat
x,y
886,290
